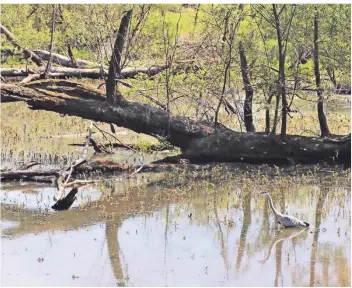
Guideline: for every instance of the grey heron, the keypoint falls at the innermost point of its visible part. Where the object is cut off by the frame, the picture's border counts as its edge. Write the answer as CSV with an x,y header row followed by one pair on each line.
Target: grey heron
x,y
285,220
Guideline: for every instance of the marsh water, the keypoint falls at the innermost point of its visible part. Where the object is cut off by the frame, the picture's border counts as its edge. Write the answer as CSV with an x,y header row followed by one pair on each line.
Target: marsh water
x,y
206,228
177,231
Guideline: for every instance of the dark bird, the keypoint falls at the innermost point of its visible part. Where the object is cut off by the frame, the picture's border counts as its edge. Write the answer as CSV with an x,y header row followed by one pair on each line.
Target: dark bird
x,y
112,128
66,202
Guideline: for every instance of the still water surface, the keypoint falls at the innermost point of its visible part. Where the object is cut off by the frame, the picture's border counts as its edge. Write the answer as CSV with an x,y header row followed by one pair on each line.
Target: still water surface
x,y
150,239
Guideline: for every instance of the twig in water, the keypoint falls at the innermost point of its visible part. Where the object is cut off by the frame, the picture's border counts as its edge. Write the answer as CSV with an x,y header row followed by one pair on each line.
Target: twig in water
x,y
60,185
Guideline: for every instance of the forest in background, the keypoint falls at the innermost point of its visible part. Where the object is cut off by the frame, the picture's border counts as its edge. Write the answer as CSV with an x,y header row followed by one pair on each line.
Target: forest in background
x,y
201,45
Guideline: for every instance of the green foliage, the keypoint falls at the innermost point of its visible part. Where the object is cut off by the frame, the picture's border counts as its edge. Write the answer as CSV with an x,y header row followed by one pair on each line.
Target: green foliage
x,y
91,32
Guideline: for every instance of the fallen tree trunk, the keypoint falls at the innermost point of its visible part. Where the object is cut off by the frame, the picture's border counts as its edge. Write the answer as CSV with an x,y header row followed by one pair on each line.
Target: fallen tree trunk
x,y
151,148
55,72
27,175
199,141
342,91
95,165
59,72
65,61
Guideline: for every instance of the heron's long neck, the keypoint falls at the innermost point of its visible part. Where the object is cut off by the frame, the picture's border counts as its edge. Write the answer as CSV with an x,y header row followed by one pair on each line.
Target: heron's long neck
x,y
277,213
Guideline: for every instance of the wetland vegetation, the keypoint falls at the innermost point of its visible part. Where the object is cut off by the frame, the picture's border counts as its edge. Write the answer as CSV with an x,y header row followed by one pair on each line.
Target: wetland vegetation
x,y
169,120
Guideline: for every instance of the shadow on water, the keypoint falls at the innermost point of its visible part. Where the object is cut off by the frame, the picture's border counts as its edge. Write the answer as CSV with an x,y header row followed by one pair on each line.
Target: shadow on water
x,y
198,233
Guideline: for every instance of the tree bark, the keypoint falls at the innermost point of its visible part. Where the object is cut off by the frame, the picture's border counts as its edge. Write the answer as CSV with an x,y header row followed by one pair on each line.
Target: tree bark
x,y
196,17
331,73
58,72
276,114
226,29
267,111
248,116
281,72
112,93
324,129
199,141
72,58
96,163
65,61
48,65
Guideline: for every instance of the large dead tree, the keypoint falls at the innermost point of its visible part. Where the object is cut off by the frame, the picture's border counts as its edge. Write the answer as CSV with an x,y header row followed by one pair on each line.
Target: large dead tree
x,y
199,141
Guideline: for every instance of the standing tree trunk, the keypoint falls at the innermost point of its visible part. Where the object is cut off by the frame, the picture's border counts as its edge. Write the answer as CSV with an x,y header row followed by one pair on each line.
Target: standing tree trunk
x,y
331,73
248,116
70,54
276,114
226,30
267,111
282,57
196,17
112,94
48,65
324,129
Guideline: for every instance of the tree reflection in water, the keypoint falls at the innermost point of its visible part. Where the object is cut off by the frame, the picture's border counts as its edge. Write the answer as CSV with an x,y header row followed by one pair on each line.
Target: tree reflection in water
x,y
246,206
320,203
111,233
255,235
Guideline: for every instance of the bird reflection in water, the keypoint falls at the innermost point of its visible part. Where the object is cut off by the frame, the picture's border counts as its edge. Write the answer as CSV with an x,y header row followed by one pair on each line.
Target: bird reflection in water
x,y
286,234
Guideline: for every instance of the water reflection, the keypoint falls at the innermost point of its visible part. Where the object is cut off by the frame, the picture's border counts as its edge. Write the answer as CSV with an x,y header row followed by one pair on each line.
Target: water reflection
x,y
280,236
279,248
246,206
223,244
111,229
144,239
318,211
